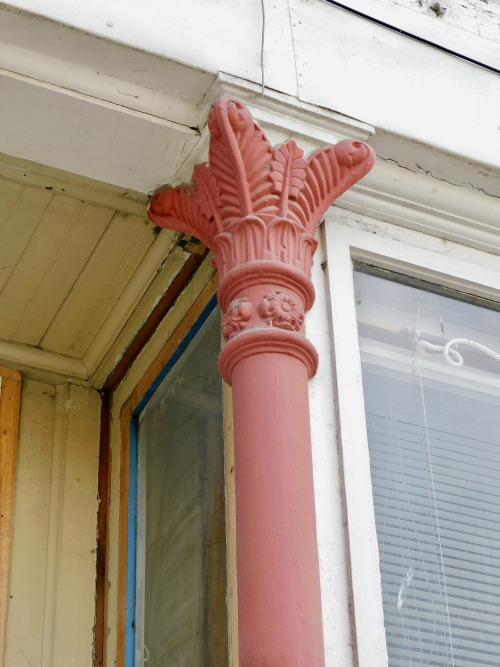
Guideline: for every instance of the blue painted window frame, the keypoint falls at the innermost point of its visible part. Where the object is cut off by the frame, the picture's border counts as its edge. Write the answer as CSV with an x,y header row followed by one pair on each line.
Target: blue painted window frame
x,y
132,485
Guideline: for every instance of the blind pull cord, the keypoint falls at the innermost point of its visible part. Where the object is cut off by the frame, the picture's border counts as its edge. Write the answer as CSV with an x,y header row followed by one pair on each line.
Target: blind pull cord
x,y
417,375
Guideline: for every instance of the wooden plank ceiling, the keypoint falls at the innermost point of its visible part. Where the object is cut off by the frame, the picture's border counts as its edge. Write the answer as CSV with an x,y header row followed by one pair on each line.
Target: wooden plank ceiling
x,y
76,258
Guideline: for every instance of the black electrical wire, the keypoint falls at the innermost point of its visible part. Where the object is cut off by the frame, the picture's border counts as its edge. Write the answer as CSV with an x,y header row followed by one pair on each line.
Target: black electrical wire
x,y
417,38
262,44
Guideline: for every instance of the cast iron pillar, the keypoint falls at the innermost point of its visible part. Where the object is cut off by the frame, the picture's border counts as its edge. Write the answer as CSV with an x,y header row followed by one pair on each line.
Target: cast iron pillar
x,y
257,208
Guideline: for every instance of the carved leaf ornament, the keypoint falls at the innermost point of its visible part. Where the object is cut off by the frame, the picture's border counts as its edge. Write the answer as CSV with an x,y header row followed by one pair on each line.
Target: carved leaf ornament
x,y
251,202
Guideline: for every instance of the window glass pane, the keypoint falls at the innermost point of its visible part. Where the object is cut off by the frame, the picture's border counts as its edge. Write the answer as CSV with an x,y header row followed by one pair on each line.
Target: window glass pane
x,y
181,535
431,380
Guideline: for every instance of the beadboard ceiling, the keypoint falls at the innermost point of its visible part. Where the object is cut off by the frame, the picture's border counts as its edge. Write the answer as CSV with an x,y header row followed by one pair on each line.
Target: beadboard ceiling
x,y
81,268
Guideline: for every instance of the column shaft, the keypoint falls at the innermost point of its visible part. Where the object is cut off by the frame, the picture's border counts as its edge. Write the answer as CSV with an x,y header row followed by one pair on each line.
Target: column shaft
x,y
279,605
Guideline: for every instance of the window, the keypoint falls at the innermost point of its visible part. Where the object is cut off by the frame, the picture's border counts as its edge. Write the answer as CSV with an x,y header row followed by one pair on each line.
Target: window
x,y
421,473
431,383
178,482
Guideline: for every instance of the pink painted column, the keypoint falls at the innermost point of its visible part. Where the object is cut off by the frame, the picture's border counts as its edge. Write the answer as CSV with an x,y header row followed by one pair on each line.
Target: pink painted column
x,y
257,209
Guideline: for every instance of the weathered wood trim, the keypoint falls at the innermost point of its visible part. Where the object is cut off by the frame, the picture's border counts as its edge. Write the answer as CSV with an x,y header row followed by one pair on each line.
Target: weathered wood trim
x,y
154,319
122,539
135,397
102,531
39,175
9,427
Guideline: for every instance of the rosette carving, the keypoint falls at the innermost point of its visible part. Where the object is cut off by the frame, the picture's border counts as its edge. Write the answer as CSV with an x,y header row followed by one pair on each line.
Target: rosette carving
x,y
280,310
236,317
251,202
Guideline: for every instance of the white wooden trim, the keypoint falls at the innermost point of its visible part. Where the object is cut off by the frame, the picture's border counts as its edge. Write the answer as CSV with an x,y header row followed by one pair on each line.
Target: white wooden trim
x,y
149,283
330,520
288,113
367,613
423,203
281,117
49,52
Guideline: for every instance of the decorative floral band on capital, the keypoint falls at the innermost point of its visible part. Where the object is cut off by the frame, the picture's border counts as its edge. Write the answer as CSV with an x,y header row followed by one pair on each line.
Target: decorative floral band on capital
x,y
276,309
236,317
280,310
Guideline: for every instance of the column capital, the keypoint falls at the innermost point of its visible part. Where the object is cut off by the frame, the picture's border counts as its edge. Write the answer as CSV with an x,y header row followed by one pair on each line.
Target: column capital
x,y
257,209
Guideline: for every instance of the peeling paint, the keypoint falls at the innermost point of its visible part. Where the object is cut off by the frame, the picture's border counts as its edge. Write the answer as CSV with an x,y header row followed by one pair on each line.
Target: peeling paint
x,y
438,9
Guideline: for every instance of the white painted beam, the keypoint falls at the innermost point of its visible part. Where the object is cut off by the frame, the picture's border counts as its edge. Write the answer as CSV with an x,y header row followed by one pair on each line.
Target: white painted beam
x,y
322,54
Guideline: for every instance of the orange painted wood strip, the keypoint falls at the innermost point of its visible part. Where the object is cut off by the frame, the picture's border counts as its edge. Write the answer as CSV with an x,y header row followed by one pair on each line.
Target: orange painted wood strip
x,y
10,397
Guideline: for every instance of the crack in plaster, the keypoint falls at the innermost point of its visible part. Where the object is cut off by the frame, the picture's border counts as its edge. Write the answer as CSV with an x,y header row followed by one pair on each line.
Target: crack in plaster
x,y
421,170
294,51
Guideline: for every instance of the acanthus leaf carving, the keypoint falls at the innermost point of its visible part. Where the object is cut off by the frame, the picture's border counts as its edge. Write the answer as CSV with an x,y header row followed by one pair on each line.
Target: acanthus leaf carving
x,y
239,156
254,203
330,172
177,208
288,171
207,194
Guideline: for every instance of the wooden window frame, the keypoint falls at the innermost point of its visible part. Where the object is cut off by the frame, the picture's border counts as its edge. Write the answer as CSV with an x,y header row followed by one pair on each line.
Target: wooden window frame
x,y
10,398
351,239
135,399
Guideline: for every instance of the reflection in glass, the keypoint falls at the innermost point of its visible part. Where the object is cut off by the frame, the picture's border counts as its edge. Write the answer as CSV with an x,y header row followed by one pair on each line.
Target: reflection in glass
x,y
432,399
180,600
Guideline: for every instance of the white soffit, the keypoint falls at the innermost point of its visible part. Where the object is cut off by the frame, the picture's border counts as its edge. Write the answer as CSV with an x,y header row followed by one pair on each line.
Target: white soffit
x,y
88,137
313,50
93,107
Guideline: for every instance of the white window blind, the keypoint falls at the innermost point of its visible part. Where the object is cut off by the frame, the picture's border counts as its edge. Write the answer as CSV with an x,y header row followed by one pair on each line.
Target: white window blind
x,y
434,440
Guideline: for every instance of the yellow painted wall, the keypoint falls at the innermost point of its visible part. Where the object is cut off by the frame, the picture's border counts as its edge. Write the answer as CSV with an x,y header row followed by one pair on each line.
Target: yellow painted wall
x,y
51,606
